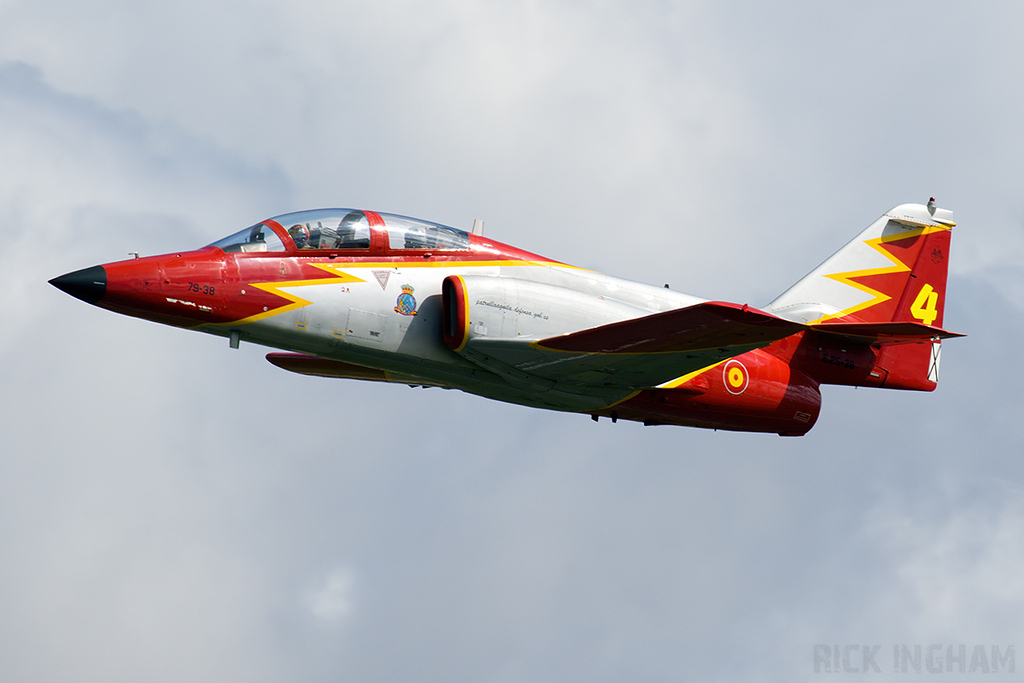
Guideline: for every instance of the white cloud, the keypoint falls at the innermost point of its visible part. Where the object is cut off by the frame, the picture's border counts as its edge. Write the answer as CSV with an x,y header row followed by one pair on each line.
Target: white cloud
x,y
977,544
333,601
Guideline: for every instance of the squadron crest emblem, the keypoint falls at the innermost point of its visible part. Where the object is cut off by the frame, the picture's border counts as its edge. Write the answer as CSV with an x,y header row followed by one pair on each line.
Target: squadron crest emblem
x,y
406,304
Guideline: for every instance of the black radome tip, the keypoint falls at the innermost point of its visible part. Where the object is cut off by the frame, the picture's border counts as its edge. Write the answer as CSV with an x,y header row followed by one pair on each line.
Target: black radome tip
x,y
88,284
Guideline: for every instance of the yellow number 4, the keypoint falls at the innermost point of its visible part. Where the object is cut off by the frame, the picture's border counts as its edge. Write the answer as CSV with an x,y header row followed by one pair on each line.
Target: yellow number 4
x,y
925,307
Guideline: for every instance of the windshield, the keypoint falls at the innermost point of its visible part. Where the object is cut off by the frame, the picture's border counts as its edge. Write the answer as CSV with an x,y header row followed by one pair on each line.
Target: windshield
x,y
327,229
257,238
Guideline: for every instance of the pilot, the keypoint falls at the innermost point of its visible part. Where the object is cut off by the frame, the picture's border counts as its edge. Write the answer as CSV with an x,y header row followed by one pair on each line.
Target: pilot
x,y
300,235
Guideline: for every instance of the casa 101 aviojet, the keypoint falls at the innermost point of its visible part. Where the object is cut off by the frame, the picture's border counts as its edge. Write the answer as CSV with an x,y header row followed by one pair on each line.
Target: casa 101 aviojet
x,y
375,296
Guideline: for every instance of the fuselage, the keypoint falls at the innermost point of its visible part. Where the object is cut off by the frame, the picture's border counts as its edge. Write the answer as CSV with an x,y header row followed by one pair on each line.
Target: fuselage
x,y
361,294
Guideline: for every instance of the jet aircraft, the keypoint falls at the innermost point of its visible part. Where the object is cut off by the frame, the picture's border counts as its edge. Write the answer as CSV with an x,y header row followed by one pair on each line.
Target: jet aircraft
x,y
374,296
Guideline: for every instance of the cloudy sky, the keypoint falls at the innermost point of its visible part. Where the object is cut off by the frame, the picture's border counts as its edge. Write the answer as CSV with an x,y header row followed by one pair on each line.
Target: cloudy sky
x,y
173,510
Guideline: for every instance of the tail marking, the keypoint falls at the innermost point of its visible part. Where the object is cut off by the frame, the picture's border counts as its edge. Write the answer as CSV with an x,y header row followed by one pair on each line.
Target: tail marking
x,y
925,307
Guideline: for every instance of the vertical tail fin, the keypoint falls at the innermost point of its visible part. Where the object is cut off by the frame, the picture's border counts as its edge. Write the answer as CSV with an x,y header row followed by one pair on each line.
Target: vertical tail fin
x,y
893,272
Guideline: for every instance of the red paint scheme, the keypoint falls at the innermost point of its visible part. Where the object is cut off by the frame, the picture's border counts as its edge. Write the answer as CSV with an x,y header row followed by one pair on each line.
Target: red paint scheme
x,y
924,259
777,398
157,288
782,393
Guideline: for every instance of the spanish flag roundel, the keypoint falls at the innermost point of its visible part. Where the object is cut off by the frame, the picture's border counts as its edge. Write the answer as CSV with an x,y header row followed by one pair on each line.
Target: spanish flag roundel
x,y
735,376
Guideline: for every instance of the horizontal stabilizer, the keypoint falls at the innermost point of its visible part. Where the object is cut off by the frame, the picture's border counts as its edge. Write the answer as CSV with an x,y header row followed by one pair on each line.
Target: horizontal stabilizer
x,y
884,332
708,325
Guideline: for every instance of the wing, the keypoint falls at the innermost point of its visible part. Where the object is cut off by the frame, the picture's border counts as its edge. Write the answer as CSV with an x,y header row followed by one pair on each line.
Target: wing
x,y
636,353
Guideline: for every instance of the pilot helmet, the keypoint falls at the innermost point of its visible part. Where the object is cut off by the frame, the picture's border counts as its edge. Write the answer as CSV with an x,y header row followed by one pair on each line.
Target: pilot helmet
x,y
300,235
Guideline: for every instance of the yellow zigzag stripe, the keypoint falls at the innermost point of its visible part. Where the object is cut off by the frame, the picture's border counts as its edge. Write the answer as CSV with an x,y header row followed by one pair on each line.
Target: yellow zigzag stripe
x,y
276,288
897,266
680,381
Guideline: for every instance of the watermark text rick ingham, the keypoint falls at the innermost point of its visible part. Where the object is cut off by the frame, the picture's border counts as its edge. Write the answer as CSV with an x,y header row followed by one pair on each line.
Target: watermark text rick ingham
x,y
936,658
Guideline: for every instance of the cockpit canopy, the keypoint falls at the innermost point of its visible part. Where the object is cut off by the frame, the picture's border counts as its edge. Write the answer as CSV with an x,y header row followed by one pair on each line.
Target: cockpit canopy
x,y
337,229
327,229
412,233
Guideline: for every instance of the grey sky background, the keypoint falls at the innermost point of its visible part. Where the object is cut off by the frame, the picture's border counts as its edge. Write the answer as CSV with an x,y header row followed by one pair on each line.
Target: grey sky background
x,y
174,510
